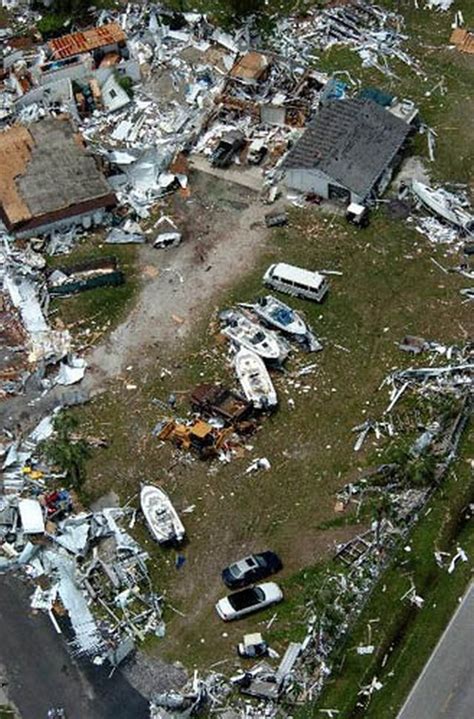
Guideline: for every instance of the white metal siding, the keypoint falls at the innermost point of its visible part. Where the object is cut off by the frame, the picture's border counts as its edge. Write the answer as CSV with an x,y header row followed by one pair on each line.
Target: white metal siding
x,y
315,181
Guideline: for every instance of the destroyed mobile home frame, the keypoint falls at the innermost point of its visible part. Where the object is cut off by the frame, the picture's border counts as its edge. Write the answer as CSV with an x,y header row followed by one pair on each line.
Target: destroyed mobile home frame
x,y
84,564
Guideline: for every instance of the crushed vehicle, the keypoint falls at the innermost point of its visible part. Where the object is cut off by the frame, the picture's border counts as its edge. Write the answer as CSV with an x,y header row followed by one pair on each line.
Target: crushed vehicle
x,y
229,145
214,400
247,601
251,569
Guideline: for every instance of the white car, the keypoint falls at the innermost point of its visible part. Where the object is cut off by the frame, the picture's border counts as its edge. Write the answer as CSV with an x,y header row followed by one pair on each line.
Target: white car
x,y
248,600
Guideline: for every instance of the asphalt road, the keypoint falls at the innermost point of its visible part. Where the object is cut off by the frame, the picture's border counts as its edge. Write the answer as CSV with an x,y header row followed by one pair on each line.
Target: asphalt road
x,y
41,673
445,689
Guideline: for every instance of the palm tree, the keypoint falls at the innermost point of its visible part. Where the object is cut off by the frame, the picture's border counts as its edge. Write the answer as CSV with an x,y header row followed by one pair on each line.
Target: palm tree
x,y
65,452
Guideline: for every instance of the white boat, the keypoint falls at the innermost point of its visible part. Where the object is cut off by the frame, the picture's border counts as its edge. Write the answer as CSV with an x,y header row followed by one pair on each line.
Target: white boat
x,y
246,333
445,205
278,314
162,518
254,379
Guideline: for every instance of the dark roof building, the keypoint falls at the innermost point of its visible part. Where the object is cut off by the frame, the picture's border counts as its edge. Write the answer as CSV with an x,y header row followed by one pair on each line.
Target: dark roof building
x,y
48,179
347,151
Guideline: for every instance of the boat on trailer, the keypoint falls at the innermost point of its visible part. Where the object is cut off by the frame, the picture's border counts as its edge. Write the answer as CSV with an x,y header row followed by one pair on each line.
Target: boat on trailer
x,y
445,205
254,379
161,517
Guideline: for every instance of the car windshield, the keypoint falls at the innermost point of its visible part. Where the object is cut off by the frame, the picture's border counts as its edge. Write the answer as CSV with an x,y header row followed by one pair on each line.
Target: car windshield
x,y
235,570
246,598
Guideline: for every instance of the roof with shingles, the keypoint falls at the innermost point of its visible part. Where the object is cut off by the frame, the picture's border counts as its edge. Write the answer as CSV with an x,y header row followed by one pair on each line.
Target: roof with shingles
x,y
45,168
352,141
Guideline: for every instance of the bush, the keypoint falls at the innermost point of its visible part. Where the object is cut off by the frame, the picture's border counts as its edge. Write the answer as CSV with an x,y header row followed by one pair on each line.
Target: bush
x,y
126,83
53,25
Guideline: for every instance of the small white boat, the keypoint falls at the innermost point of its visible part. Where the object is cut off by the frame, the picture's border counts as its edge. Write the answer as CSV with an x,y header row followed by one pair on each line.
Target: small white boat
x,y
246,333
254,379
445,205
279,315
162,518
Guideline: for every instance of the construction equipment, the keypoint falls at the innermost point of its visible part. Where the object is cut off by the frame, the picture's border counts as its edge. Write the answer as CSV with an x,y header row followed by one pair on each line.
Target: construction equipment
x,y
196,435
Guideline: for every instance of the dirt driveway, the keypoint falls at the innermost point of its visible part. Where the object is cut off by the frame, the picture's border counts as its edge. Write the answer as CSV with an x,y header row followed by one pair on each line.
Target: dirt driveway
x,y
223,227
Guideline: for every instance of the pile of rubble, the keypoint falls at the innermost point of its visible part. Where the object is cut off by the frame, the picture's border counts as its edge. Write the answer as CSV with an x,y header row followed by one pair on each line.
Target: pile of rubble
x,y
147,84
375,34
29,343
450,220
90,575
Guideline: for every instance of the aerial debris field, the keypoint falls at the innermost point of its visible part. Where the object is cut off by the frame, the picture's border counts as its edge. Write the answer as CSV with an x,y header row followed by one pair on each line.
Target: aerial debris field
x,y
237,359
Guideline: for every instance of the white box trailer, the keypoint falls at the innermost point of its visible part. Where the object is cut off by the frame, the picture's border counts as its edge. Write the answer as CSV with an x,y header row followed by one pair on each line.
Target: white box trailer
x,y
296,281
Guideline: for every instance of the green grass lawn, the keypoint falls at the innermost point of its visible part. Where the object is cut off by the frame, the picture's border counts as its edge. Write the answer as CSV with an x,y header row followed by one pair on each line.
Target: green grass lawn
x,y
90,314
389,287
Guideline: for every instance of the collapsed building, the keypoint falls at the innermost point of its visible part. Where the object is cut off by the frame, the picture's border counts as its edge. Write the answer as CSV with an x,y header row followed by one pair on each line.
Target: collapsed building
x,y
48,180
348,153
80,72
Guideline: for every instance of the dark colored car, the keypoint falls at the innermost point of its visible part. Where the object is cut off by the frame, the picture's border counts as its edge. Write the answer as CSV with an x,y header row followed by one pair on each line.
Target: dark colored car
x,y
230,144
251,569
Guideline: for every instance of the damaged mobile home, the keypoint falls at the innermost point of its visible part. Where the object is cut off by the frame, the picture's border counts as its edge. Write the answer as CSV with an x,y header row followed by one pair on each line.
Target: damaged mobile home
x,y
88,573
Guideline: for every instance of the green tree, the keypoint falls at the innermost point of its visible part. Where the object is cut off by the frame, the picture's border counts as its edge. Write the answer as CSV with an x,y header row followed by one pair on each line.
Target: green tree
x,y
66,452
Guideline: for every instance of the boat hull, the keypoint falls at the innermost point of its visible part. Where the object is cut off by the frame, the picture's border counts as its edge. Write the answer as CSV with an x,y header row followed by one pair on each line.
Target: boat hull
x,y
255,338
269,311
161,517
435,201
254,379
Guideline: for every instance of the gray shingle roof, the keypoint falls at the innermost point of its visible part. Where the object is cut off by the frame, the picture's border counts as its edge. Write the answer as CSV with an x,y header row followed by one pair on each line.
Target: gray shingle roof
x,y
60,172
352,141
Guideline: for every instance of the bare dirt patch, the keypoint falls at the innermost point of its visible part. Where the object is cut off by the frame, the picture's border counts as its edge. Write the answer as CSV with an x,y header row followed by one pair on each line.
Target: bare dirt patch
x,y
223,227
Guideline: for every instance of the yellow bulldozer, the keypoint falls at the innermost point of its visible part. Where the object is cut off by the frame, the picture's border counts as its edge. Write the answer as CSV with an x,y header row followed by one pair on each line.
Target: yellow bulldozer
x,y
198,435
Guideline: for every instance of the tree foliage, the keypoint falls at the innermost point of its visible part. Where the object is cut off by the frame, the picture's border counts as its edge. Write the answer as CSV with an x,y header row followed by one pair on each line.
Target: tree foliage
x,y
68,454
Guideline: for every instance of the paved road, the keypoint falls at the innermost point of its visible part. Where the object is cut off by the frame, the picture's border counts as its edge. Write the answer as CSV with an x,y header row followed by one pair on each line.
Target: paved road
x,y
41,673
445,689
